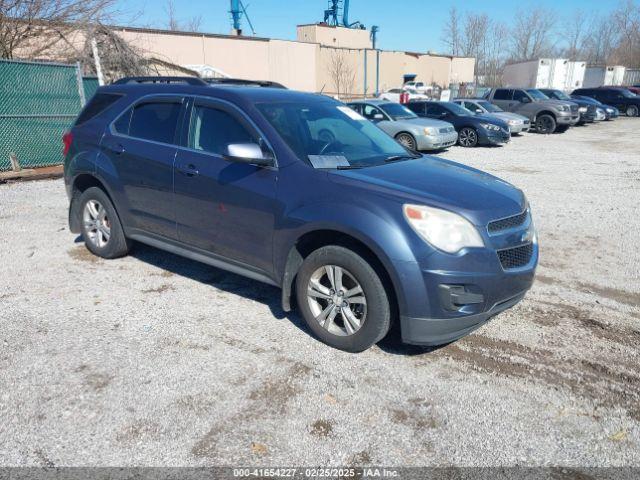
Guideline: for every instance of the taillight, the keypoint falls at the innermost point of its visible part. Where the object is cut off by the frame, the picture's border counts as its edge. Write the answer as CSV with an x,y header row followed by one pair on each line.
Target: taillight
x,y
67,138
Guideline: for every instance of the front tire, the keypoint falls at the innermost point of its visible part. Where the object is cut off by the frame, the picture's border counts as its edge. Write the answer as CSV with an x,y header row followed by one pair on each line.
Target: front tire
x,y
632,111
546,124
468,137
342,299
406,140
101,228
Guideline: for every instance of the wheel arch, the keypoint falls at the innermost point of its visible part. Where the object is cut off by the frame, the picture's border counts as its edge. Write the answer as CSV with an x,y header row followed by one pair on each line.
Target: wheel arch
x,y
80,184
545,112
311,240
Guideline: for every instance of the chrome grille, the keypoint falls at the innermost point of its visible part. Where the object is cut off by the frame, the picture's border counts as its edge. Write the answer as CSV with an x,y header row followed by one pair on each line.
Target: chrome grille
x,y
574,108
515,257
509,222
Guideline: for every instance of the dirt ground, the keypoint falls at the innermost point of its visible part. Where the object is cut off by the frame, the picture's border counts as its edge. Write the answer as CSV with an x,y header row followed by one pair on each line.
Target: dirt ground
x,y
157,360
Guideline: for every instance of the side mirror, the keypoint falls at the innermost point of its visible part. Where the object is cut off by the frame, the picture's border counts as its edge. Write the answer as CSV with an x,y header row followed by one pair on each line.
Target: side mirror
x,y
525,100
378,116
247,153
478,111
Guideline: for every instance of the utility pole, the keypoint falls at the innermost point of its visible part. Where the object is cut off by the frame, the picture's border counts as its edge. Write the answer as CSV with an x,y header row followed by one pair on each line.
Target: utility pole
x,y
96,58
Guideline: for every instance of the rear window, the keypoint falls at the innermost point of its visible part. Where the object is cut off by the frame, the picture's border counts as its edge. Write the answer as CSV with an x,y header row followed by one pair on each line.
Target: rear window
x,y
98,104
502,94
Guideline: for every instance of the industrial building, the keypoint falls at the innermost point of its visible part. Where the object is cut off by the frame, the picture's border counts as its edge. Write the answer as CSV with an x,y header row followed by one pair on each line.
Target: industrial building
x,y
313,62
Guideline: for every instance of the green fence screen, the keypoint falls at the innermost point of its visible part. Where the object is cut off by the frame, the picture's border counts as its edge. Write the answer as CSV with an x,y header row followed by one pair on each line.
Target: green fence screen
x,y
90,86
38,103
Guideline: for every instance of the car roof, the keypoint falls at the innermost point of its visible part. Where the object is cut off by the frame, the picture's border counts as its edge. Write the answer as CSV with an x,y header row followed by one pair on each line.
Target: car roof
x,y
253,94
372,102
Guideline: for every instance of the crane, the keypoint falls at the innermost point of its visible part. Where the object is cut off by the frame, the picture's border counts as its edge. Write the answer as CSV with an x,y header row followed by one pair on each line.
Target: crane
x,y
332,15
237,9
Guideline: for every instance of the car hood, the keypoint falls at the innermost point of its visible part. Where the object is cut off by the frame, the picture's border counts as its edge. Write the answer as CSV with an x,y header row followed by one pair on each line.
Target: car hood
x,y
425,122
552,101
488,117
433,181
506,116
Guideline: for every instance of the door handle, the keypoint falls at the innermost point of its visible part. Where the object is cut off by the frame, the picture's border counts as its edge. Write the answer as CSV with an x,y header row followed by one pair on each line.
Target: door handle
x,y
117,148
189,170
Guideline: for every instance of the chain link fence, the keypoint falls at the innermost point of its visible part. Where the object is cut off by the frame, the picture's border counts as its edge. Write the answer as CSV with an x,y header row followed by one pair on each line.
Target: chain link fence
x,y
38,103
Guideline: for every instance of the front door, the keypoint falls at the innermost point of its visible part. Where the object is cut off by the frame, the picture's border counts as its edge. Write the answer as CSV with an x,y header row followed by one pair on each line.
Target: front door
x,y
224,207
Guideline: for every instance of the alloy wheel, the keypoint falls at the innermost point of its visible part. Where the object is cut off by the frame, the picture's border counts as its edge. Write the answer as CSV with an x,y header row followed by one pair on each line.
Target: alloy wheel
x,y
96,223
468,137
545,124
407,141
336,300
632,111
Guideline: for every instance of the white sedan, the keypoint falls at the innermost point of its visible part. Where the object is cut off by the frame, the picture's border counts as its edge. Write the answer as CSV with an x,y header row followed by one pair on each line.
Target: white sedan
x,y
393,95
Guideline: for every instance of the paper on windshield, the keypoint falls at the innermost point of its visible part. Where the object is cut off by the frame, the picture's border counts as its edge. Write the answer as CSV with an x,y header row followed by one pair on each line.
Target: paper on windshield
x,y
328,161
352,114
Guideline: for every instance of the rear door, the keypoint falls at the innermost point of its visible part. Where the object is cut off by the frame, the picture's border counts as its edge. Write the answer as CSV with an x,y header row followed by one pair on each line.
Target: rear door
x,y
141,144
224,207
503,97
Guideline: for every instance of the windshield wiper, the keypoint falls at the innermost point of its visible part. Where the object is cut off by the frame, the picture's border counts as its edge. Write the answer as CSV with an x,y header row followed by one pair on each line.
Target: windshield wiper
x,y
349,167
399,158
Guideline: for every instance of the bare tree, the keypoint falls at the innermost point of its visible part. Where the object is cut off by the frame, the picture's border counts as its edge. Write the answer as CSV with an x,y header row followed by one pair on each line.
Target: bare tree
x,y
451,35
532,35
341,72
600,41
193,24
35,26
626,20
574,33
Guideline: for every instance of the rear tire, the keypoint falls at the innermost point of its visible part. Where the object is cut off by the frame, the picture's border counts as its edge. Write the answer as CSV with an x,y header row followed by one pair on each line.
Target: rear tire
x,y
632,111
101,228
342,299
562,129
546,124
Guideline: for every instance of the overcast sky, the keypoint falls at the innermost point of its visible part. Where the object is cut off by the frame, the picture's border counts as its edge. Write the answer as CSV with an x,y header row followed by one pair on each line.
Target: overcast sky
x,y
414,25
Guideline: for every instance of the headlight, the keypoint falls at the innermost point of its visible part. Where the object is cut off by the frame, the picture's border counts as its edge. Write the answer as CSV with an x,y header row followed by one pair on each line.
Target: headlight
x,y
444,230
582,109
563,108
489,126
430,131
514,122
610,110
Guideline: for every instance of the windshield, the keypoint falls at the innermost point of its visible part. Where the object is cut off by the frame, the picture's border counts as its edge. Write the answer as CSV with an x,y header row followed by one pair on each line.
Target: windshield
x,y
560,95
397,111
490,107
537,94
457,109
326,132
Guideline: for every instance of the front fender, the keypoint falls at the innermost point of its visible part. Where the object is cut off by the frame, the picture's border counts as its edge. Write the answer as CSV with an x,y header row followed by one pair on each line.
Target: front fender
x,y
373,227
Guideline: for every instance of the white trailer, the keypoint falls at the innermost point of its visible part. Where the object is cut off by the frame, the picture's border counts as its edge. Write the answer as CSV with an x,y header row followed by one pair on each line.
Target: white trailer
x,y
557,73
604,76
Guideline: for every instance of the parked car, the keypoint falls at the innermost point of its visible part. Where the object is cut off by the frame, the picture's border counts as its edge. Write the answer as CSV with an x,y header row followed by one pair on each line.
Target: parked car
x,y
473,130
621,98
479,106
546,116
610,112
418,87
586,109
369,232
393,95
406,127
633,89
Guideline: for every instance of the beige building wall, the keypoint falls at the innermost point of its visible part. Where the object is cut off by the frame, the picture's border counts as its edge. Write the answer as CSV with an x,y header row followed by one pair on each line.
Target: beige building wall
x,y
329,36
293,64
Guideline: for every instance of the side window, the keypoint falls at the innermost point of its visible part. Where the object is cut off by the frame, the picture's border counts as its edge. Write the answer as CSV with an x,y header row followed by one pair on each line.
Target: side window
x,y
435,110
122,124
213,129
370,112
502,94
470,106
518,95
155,121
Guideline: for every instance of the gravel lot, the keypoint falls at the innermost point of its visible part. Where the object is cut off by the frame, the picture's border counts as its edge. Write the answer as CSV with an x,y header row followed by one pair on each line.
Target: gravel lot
x,y
157,360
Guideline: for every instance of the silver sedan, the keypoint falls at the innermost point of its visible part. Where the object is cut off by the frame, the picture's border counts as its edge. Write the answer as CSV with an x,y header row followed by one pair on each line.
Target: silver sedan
x,y
406,127
517,123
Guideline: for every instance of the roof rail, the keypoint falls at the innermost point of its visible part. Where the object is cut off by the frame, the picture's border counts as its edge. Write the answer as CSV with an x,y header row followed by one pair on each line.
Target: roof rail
x,y
241,81
160,79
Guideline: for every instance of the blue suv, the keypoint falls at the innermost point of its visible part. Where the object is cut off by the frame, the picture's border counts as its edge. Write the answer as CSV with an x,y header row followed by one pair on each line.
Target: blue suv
x,y
360,231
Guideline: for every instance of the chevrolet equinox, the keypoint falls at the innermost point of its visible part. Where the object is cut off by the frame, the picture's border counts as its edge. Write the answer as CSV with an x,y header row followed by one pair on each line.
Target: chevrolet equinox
x,y
299,191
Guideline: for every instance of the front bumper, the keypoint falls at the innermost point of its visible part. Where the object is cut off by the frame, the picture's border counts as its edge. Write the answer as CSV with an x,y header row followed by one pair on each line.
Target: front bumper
x,y
437,142
491,137
567,119
431,331
519,128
